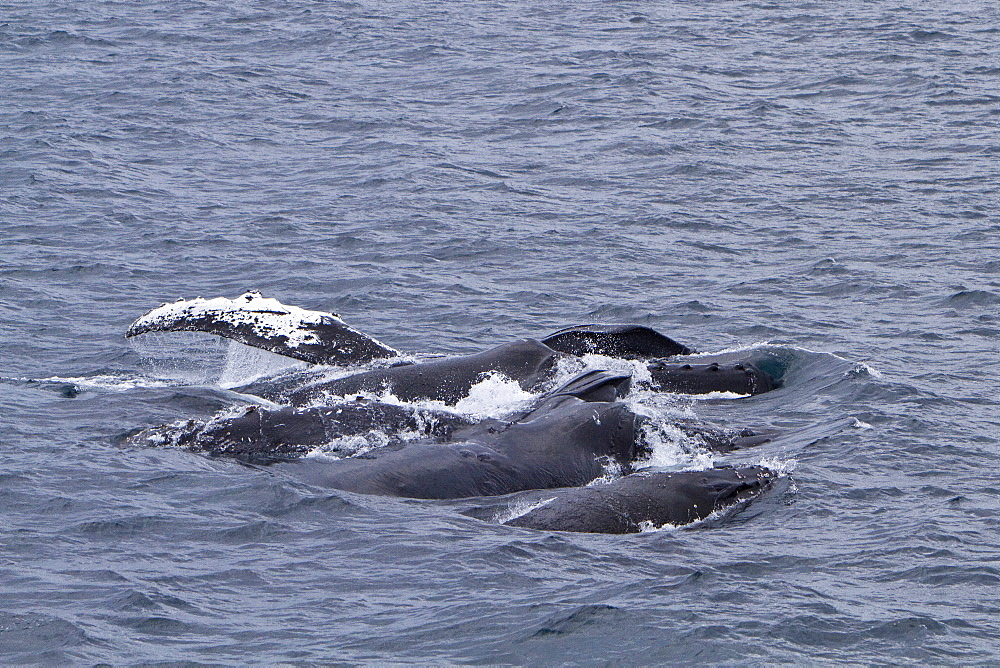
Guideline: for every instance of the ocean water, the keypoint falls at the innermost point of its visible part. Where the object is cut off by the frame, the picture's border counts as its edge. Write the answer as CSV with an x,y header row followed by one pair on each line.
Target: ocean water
x,y
814,183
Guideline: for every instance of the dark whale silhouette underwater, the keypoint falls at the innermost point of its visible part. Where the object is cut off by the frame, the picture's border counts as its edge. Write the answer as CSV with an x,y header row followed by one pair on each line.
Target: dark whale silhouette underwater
x,y
577,441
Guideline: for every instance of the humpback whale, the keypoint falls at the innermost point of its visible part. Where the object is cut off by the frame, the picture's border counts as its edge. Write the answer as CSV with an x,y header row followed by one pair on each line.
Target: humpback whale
x,y
646,500
571,436
569,439
323,338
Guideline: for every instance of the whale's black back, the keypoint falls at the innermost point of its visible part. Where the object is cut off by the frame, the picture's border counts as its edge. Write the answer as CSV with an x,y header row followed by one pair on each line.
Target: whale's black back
x,y
563,443
529,362
651,499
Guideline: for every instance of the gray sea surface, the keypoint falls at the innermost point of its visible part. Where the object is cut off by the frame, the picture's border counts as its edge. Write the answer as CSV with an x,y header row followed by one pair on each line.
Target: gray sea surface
x,y
817,181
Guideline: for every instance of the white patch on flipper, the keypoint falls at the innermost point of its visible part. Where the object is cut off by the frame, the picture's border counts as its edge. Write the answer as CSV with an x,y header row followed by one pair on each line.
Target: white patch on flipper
x,y
268,318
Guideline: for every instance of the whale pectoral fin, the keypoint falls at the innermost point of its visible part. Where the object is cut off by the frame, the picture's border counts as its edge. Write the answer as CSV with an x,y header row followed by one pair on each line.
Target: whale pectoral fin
x,y
623,341
595,385
312,336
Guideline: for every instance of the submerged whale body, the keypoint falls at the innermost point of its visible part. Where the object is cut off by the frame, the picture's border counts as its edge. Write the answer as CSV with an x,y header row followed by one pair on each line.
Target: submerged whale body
x,y
571,436
645,500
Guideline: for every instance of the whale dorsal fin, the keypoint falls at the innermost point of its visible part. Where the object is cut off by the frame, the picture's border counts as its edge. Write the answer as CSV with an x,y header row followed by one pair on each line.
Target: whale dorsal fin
x,y
313,336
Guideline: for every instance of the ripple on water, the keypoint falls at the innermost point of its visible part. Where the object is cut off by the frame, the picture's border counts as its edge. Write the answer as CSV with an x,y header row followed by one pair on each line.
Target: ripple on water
x,y
743,177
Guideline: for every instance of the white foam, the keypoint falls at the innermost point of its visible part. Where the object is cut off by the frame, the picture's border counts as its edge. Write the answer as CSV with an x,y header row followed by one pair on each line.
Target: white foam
x,y
105,382
638,369
661,404
742,348
349,446
519,508
647,526
613,470
672,450
710,396
782,467
495,396
865,368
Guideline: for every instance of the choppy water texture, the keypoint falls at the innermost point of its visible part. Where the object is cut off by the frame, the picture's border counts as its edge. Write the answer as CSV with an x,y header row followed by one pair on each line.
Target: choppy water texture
x,y
821,178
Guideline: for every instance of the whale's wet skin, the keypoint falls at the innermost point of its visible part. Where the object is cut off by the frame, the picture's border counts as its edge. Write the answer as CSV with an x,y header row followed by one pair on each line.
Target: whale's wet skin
x,y
807,187
572,435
